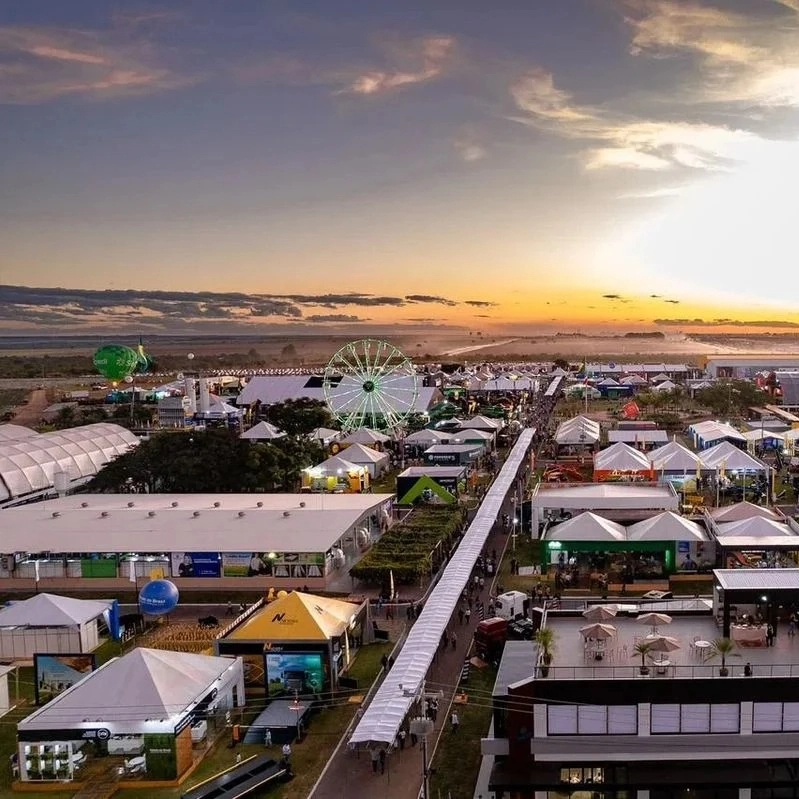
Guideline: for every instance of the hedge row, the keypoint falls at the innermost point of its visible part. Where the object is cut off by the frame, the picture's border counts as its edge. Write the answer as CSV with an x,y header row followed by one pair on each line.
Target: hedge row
x,y
405,549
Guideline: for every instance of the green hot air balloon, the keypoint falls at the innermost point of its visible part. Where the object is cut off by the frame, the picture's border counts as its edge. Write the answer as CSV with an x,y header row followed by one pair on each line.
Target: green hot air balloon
x,y
115,361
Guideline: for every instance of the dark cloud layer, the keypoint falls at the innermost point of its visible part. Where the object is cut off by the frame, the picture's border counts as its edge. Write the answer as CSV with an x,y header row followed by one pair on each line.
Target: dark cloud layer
x,y
697,322
154,310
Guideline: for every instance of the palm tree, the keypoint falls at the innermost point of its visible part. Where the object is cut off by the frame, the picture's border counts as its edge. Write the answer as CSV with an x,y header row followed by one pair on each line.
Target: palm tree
x,y
722,647
545,638
643,648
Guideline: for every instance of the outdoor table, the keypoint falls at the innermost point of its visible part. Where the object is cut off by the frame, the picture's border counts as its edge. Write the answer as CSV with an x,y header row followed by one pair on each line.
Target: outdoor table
x,y
662,665
135,762
702,648
748,636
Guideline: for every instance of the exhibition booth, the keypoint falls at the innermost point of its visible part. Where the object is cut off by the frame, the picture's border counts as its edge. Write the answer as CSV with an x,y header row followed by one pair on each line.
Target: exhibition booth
x,y
140,713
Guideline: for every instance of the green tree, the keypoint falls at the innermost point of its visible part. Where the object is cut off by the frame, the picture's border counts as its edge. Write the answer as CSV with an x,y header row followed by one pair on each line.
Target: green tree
x,y
299,417
66,417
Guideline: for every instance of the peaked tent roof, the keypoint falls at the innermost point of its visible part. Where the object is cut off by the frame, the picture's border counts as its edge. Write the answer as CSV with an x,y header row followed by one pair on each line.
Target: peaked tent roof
x,y
324,433
730,457
740,511
358,453
426,435
365,436
481,423
49,610
666,385
715,431
623,457
297,617
674,457
334,463
587,527
633,380
666,526
263,431
754,527
143,684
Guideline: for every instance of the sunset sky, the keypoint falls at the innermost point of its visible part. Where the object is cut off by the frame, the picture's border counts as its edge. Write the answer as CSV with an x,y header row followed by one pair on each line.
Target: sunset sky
x,y
345,163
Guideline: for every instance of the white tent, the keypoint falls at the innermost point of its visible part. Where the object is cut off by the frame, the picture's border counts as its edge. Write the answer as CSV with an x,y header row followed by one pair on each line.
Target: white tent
x,y
674,457
659,378
633,380
50,623
146,690
365,436
756,527
481,423
586,527
336,464
666,385
621,457
325,435
376,462
730,458
740,511
579,430
608,381
263,431
666,526
705,433
426,438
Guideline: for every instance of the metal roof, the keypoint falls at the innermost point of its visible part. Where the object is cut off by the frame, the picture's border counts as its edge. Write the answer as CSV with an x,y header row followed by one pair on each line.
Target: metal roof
x,y
30,464
392,701
757,579
517,664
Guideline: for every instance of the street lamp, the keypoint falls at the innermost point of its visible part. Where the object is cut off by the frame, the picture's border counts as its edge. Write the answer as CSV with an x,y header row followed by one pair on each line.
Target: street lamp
x,y
513,534
297,708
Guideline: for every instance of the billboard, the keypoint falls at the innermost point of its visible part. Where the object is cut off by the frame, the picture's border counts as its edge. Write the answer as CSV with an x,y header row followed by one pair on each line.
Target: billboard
x,y
55,673
196,564
294,671
245,564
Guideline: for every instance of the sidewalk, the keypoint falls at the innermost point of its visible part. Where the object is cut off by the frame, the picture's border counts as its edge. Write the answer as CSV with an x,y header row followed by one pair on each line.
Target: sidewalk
x,y
349,774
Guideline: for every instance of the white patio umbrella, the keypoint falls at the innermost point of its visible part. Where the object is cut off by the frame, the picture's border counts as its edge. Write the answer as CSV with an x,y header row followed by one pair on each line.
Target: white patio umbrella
x,y
663,643
598,631
653,620
599,613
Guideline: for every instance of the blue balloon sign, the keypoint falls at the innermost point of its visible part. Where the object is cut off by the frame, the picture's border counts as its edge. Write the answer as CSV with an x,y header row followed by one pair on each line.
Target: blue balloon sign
x,y
158,597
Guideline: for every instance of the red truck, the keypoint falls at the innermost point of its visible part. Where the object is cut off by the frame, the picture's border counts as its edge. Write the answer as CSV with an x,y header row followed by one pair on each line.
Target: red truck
x,y
489,639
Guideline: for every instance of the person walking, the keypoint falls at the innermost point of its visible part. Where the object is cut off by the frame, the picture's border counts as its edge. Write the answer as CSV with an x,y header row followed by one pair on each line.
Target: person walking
x,y
375,760
468,614
454,721
453,639
382,756
461,613
384,661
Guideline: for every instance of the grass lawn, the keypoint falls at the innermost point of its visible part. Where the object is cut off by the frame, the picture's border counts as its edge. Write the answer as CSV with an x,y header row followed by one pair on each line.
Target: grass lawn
x,y
457,759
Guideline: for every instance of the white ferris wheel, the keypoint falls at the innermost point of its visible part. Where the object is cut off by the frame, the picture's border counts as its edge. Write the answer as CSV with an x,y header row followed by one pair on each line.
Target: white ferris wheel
x,y
370,383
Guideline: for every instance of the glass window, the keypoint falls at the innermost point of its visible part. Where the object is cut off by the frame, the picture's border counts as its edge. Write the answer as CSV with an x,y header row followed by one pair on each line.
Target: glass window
x,y
623,720
767,717
694,718
725,718
592,720
790,717
665,719
562,720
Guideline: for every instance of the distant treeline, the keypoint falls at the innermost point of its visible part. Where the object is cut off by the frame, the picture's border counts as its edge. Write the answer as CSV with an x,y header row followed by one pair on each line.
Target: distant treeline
x,y
653,334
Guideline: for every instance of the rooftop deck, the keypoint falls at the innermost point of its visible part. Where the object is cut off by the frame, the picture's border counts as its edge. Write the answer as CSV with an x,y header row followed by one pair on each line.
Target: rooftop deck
x,y
619,660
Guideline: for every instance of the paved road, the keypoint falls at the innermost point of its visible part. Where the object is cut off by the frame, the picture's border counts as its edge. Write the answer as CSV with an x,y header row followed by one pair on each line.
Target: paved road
x,y
349,775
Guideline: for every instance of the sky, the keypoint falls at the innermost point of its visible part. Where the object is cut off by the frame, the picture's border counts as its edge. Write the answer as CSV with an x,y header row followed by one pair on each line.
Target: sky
x,y
511,166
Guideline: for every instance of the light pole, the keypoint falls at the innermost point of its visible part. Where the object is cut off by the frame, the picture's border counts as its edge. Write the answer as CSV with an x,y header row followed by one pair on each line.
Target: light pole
x,y
297,708
513,534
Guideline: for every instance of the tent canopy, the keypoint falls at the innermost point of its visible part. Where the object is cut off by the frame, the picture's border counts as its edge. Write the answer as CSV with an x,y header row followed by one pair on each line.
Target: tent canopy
x,y
740,511
49,610
142,685
358,453
621,457
365,436
428,437
754,527
297,617
263,431
579,430
334,464
587,527
728,456
666,526
481,423
674,457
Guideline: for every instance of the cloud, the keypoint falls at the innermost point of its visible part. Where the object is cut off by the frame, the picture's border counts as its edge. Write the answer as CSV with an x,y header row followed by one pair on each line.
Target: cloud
x,y
38,64
673,302
612,297
698,322
750,59
653,194
469,146
621,141
163,310
334,317
480,303
407,63
429,298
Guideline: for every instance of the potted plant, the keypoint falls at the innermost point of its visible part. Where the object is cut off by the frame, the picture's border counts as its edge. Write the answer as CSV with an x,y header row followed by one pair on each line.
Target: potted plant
x,y
722,647
643,648
545,638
